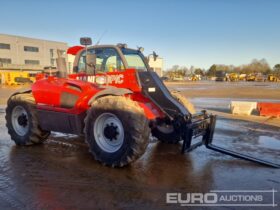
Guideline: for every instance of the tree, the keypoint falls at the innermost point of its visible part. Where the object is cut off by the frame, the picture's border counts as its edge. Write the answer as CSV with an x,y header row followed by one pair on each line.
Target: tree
x,y
192,69
185,70
199,71
256,66
212,70
276,69
175,67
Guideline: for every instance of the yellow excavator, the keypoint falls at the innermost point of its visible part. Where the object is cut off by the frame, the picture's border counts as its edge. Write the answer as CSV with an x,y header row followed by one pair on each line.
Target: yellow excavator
x,y
273,78
232,77
242,77
251,77
195,77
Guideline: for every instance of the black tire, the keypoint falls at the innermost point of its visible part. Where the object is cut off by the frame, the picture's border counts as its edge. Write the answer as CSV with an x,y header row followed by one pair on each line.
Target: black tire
x,y
135,130
169,136
31,132
166,132
184,101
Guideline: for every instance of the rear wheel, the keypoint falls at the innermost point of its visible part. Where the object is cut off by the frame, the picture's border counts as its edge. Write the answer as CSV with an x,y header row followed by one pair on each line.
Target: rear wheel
x,y
116,130
22,122
165,132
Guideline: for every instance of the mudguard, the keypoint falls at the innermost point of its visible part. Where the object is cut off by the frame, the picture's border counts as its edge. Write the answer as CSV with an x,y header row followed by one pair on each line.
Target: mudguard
x,y
22,90
110,90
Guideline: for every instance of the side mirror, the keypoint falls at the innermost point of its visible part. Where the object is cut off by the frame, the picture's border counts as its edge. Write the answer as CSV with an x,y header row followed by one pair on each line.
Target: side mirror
x,y
155,56
85,41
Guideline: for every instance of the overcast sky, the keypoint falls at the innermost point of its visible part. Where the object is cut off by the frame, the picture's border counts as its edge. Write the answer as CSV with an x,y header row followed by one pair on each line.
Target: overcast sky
x,y
183,32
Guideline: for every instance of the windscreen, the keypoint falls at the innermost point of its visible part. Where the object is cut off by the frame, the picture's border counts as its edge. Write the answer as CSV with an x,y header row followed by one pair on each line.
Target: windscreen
x,y
135,59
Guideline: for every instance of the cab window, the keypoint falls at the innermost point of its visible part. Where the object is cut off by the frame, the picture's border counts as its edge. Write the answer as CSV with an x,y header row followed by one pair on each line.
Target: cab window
x,y
82,63
107,60
135,59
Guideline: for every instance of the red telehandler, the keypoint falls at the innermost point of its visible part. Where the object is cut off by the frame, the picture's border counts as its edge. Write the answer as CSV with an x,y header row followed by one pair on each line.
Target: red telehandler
x,y
116,101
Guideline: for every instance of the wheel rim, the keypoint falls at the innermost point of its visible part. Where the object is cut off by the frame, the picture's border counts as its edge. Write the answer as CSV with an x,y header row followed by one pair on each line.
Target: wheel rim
x,y
20,120
108,132
165,128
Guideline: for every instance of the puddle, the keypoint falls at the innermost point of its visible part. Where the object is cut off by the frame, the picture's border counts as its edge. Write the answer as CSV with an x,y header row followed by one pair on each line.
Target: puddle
x,y
190,88
269,142
62,174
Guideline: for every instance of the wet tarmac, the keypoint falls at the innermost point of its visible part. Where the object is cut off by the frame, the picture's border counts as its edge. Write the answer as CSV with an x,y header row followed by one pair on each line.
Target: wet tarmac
x,y
233,90
61,174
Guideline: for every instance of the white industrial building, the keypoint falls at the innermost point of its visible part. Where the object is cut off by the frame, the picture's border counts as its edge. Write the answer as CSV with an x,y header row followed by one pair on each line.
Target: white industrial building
x,y
156,65
23,53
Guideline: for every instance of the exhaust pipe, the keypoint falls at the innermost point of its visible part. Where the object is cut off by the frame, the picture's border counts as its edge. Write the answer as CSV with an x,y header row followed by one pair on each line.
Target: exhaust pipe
x,y
61,65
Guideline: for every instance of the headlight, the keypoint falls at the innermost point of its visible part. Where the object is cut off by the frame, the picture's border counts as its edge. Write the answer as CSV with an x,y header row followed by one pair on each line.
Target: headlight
x,y
101,80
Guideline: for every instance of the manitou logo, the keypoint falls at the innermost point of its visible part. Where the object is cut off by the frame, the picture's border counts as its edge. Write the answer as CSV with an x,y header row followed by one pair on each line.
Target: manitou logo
x,y
110,79
117,79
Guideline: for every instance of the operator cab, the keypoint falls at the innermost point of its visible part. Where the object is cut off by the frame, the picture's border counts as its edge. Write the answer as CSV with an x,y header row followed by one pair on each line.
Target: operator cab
x,y
100,59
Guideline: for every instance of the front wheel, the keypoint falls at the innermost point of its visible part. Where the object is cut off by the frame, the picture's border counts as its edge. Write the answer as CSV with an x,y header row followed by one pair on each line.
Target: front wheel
x,y
116,130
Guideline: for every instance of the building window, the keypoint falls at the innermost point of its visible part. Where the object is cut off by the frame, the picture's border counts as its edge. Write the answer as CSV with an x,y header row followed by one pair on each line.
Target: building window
x,y
52,61
51,53
6,60
32,62
31,49
5,46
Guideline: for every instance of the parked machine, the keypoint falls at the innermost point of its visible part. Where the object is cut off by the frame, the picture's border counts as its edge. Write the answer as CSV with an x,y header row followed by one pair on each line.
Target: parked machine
x,y
256,77
242,77
232,77
273,78
220,76
251,77
15,77
195,77
115,101
260,77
